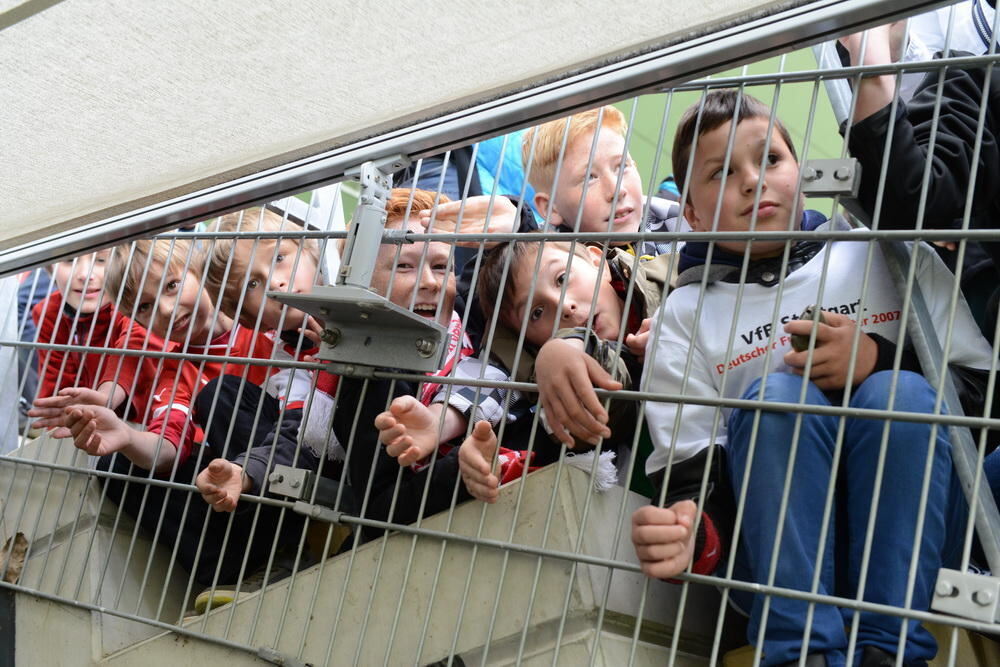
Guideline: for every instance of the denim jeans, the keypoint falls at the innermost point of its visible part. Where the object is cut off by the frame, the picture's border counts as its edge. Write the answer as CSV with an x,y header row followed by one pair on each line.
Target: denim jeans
x,y
895,524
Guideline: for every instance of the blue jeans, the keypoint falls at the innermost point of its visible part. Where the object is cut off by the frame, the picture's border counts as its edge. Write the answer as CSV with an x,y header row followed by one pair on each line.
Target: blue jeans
x,y
895,524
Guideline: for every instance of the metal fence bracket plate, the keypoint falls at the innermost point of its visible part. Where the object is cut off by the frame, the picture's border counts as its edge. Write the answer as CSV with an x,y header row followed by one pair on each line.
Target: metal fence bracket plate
x,y
363,328
288,481
968,595
826,178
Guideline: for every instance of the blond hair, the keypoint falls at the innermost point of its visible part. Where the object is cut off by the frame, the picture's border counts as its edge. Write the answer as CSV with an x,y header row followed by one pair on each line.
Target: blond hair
x,y
226,273
131,264
548,141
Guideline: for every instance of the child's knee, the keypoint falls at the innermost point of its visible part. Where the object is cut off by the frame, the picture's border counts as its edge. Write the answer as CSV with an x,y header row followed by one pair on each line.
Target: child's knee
x,y
912,392
781,388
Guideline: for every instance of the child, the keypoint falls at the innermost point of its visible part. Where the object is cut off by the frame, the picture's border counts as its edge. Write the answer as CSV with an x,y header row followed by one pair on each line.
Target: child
x,y
599,195
80,312
592,289
755,180
418,278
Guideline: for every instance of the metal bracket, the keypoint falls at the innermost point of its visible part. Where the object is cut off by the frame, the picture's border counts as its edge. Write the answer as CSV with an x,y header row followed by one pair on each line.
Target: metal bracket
x,y
365,234
306,488
318,512
968,595
363,328
295,483
826,178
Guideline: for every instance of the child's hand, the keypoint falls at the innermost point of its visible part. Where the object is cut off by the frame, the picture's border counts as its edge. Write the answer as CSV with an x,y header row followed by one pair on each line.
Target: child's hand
x,y
475,459
636,343
503,218
664,538
408,429
832,352
312,331
94,429
50,412
221,484
566,377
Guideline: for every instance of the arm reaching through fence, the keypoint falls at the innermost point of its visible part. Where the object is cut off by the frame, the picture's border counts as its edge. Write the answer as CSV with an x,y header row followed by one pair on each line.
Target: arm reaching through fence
x,y
221,484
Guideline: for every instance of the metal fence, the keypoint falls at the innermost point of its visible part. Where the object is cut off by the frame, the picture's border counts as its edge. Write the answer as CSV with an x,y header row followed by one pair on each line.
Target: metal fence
x,y
849,516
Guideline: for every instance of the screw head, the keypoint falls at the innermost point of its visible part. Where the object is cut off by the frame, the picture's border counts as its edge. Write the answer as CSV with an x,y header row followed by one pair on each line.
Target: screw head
x,y
276,478
946,589
425,348
983,597
295,483
842,173
810,174
331,337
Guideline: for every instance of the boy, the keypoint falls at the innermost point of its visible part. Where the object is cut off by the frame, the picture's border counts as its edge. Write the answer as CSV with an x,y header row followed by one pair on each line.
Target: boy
x,y
78,312
755,180
585,189
583,333
416,276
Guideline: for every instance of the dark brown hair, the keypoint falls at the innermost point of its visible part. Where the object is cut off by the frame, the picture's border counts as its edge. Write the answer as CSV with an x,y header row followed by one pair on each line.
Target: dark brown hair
x,y
715,109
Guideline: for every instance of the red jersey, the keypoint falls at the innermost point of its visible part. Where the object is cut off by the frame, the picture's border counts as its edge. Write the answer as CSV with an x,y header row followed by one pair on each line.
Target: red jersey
x,y
166,407
59,324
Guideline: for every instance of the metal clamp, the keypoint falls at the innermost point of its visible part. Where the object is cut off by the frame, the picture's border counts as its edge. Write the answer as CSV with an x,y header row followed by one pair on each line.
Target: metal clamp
x,y
292,482
972,596
827,178
364,237
365,329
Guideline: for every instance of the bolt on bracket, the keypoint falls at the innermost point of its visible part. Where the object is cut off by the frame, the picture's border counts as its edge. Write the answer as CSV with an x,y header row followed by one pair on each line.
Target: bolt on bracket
x,y
827,178
968,595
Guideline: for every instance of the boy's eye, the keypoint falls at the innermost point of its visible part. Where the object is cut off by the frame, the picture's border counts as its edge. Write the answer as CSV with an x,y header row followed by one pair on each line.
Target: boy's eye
x,y
252,284
440,267
560,279
536,314
280,257
403,266
773,159
170,286
143,308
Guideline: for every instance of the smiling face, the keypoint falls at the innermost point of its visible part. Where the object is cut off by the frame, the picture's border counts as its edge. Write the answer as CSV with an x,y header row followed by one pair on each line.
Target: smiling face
x,y
581,277
739,207
274,267
178,295
417,285
611,160
81,281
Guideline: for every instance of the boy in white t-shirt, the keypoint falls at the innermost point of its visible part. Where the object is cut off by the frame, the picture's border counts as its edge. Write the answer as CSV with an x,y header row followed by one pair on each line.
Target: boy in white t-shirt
x,y
747,179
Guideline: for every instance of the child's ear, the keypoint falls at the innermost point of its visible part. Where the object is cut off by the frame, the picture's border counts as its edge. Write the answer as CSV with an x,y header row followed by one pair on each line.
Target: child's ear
x,y
596,252
692,217
542,206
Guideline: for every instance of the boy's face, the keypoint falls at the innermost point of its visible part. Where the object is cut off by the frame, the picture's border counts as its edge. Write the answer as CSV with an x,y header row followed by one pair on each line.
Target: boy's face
x,y
597,214
415,287
582,279
271,269
81,282
778,198
177,294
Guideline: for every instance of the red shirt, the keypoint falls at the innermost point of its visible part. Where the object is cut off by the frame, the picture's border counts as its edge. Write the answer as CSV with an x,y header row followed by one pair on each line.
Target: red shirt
x,y
59,325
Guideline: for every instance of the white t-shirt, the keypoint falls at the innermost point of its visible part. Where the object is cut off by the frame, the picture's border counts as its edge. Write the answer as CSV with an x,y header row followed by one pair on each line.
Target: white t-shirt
x,y
716,371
